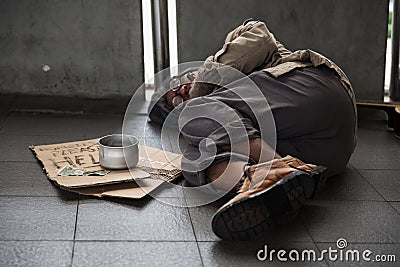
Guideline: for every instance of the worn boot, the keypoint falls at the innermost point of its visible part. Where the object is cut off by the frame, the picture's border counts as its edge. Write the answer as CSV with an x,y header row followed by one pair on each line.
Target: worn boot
x,y
270,193
316,172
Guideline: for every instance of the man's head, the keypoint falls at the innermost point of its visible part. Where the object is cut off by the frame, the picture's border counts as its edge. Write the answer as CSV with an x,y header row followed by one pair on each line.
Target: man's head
x,y
187,85
179,88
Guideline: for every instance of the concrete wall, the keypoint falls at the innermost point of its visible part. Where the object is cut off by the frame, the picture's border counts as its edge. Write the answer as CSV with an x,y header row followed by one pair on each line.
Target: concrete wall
x,y
350,32
94,47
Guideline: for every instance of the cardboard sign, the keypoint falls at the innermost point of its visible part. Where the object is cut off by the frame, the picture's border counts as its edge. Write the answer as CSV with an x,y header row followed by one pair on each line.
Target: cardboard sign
x,y
154,168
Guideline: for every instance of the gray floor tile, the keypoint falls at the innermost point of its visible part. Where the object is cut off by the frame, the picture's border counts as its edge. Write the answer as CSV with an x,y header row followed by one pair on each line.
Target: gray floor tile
x,y
168,190
356,221
386,182
7,102
383,251
16,147
372,119
202,216
349,185
3,118
27,179
201,220
136,220
176,202
99,125
396,206
138,104
136,254
376,149
107,105
44,124
245,254
48,102
35,253
138,125
351,206
37,218
369,114
154,142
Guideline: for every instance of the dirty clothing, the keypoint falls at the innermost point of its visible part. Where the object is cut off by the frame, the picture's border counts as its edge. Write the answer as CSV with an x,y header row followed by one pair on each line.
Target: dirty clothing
x,y
310,98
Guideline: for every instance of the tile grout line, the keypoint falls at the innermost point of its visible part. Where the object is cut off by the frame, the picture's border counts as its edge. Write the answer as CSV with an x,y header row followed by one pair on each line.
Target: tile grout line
x,y
194,233
131,241
361,243
57,196
365,179
13,134
35,240
177,241
33,196
376,169
104,241
313,240
17,161
319,250
76,223
389,202
4,122
173,197
169,197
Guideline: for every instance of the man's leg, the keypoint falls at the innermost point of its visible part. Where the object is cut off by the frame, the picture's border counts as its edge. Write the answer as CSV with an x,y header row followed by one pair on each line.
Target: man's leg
x,y
260,200
260,151
226,177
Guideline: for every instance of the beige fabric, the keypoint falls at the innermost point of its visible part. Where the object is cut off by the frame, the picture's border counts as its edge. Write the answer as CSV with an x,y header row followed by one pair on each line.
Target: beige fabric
x,y
298,164
253,47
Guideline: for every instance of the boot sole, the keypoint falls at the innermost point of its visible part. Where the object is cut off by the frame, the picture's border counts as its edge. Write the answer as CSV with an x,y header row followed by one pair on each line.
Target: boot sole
x,y
319,178
279,203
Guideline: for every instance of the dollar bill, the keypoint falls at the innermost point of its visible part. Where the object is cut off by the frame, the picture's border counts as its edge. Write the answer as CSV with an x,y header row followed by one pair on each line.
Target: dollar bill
x,y
70,171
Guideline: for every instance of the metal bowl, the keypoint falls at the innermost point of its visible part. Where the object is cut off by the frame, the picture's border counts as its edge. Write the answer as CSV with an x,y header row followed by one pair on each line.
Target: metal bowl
x,y
117,151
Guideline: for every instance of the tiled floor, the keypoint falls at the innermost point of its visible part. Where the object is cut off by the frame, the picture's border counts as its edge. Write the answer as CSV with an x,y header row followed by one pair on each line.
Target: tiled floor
x,y
42,225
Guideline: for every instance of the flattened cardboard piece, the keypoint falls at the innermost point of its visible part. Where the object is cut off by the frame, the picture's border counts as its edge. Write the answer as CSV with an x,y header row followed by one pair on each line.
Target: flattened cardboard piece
x,y
121,190
110,178
159,159
81,154
119,183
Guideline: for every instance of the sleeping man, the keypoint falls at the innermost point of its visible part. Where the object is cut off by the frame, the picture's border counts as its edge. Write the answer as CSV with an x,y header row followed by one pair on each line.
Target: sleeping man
x,y
268,138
